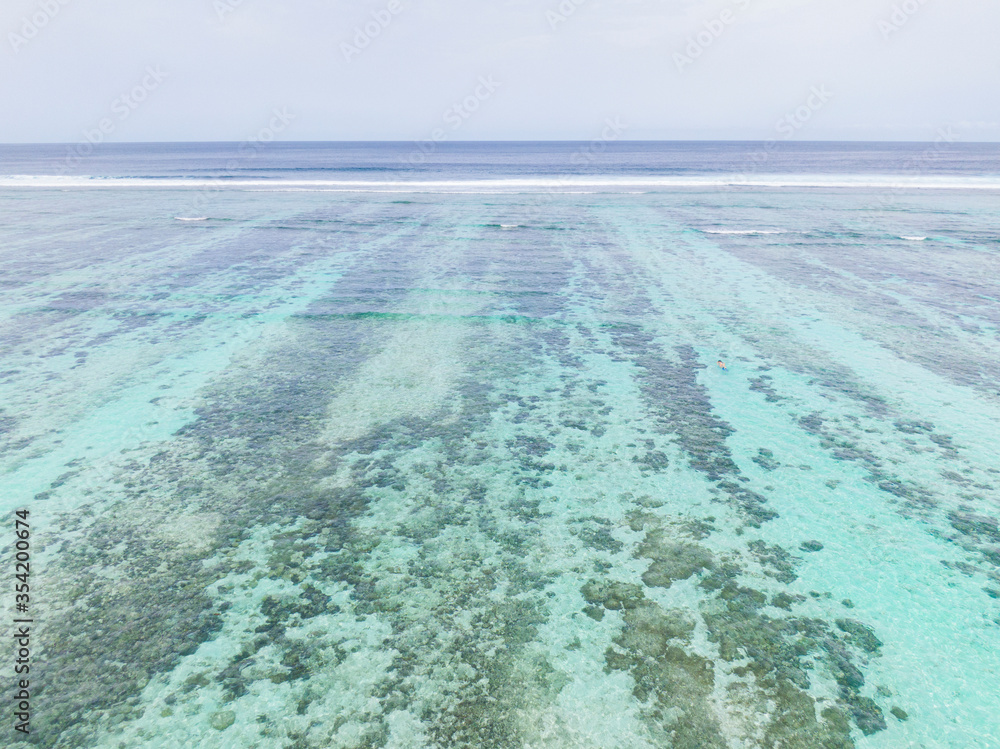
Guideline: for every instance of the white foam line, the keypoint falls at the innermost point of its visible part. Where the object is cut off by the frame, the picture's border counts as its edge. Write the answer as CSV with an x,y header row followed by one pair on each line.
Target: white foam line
x,y
582,184
403,191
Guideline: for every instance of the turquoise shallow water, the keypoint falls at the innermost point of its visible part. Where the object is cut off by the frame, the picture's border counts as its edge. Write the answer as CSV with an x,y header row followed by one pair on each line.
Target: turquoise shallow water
x,y
455,467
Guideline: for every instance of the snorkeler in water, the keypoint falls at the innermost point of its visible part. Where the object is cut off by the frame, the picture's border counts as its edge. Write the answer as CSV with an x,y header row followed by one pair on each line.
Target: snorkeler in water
x,y
721,365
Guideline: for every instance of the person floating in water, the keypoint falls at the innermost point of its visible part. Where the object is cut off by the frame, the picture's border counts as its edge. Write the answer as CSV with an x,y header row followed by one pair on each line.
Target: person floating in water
x,y
721,365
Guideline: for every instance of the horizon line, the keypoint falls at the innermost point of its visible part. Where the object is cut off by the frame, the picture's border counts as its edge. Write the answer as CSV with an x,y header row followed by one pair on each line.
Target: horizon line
x,y
452,143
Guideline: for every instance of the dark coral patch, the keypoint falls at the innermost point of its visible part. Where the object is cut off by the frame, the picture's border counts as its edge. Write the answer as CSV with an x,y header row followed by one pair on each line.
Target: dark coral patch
x,y
612,594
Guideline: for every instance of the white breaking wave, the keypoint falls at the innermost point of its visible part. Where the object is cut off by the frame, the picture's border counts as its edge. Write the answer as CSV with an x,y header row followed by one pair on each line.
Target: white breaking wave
x,y
554,184
914,239
185,218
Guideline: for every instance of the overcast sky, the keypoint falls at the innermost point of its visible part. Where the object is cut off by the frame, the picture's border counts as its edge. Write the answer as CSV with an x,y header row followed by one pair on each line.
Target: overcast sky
x,y
167,70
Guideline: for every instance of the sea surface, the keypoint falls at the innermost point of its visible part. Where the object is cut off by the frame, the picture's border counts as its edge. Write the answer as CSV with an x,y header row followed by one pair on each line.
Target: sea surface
x,y
427,445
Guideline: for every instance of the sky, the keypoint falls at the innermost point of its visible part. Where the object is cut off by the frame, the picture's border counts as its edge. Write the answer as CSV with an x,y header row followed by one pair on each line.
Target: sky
x,y
233,70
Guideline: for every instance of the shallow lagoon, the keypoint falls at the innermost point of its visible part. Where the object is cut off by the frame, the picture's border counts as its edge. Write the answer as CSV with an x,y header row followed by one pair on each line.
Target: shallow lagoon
x,y
421,467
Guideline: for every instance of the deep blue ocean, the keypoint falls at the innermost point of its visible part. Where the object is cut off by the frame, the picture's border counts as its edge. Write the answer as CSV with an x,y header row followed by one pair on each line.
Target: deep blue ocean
x,y
619,160
505,445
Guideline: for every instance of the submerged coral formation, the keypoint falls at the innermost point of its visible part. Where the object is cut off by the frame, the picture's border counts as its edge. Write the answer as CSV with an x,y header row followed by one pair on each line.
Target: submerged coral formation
x,y
405,481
